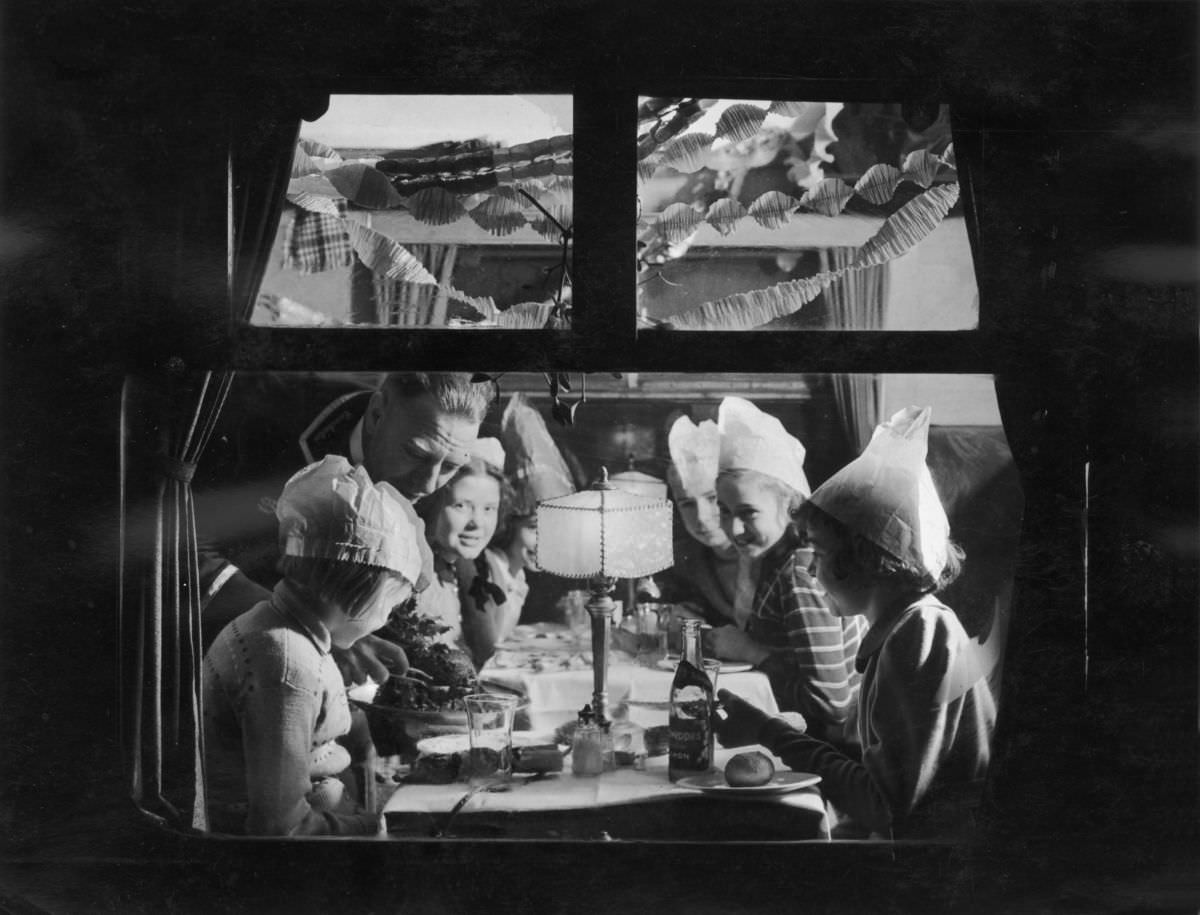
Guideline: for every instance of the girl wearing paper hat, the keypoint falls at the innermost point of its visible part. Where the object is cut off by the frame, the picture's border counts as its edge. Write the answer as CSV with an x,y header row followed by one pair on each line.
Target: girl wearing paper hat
x,y
274,700
788,633
708,570
461,519
881,547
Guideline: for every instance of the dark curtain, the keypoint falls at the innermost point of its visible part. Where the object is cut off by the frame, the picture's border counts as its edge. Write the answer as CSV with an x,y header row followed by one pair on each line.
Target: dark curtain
x,y
166,424
855,301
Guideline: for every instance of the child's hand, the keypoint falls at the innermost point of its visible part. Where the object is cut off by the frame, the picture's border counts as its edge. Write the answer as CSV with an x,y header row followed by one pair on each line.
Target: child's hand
x,y
731,644
370,657
742,722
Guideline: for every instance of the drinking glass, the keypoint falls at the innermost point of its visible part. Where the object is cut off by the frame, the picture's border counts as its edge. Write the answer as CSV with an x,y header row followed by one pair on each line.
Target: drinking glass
x,y
489,725
712,667
651,620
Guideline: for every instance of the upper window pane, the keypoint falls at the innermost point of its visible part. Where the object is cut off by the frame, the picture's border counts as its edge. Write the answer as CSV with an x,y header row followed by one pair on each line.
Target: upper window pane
x,y
800,215
426,211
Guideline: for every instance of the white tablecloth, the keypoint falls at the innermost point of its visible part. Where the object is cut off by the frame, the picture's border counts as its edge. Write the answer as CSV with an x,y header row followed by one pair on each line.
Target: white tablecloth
x,y
566,792
555,697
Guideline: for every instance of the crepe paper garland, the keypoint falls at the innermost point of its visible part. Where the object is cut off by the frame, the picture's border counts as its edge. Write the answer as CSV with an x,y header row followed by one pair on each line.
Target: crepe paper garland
x,y
920,167
878,184
364,186
563,213
829,197
687,153
317,185
648,166
740,122
724,214
907,226
316,203
383,256
677,222
773,209
525,316
749,310
485,305
435,207
788,109
498,216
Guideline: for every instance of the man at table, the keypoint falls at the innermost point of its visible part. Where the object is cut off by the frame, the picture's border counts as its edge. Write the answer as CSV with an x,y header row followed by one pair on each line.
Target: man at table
x,y
413,431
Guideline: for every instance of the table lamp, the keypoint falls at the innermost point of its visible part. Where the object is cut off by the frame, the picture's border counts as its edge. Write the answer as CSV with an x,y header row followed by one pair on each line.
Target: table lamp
x,y
603,533
641,484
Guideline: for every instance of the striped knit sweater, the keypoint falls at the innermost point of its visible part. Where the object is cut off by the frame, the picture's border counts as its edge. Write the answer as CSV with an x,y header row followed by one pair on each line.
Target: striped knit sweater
x,y
925,722
811,665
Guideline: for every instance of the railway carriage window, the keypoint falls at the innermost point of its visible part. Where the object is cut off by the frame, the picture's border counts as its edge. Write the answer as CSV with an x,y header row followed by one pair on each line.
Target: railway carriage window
x,y
426,211
800,215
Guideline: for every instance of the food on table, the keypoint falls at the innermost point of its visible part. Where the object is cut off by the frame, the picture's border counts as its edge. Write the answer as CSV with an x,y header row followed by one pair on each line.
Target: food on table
x,y
538,758
749,770
452,675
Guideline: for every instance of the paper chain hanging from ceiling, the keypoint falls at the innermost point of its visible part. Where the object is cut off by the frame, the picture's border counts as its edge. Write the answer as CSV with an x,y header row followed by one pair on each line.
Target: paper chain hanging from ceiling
x,y
666,144
484,185
490,186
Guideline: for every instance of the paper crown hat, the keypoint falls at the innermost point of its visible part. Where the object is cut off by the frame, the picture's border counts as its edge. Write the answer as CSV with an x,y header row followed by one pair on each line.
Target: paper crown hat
x,y
695,450
331,510
886,494
754,440
488,450
535,467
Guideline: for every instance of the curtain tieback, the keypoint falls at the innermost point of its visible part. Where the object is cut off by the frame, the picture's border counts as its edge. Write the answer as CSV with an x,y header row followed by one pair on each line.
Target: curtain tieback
x,y
175,469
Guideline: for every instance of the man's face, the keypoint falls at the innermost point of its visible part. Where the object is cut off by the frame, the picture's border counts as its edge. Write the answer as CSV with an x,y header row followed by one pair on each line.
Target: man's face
x,y
413,445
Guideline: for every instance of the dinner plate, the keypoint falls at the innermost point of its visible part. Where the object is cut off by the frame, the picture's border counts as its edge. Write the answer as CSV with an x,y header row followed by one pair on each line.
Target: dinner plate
x,y
780,783
727,667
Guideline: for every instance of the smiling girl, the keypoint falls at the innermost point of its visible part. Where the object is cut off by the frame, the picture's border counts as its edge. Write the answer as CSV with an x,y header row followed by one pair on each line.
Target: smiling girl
x,y
461,518
790,633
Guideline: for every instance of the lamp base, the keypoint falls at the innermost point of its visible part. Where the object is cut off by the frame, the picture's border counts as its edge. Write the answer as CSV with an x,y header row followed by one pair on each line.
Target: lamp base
x,y
601,609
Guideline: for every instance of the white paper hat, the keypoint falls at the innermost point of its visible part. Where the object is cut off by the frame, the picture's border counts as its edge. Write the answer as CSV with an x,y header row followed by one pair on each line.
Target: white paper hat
x,y
534,465
694,454
754,440
331,510
490,451
887,495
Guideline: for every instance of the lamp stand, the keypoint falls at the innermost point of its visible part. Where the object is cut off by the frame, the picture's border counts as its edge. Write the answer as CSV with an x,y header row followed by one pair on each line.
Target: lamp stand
x,y
601,609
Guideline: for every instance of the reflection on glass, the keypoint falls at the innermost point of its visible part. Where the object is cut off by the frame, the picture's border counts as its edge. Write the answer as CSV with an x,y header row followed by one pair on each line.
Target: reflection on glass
x,y
796,215
426,211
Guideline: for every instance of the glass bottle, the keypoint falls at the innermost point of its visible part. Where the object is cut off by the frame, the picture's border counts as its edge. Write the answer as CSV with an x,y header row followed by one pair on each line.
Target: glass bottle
x,y
689,728
588,746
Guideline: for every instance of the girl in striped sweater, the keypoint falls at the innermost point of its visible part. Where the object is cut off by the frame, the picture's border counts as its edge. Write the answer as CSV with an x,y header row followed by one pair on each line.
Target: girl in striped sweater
x,y
881,548
786,630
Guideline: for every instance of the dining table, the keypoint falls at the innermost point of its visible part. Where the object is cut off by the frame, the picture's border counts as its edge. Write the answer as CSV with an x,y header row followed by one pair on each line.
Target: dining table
x,y
551,665
625,804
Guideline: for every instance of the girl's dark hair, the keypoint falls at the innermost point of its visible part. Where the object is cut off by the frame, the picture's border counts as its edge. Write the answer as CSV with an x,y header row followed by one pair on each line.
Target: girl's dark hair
x,y
347,584
856,555
428,507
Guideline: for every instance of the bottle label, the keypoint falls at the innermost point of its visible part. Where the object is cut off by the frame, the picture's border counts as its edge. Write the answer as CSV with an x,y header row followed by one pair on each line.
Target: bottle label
x,y
690,746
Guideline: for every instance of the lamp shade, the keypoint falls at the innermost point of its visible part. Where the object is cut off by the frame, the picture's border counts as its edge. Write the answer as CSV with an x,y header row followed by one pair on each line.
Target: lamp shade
x,y
640,484
604,531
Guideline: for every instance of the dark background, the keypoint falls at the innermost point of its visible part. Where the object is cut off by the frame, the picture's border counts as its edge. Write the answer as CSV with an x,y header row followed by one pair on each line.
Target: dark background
x,y
1079,119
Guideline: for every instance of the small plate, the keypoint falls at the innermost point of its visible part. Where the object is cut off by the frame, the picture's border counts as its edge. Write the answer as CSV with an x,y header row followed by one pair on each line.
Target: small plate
x,y
727,667
780,783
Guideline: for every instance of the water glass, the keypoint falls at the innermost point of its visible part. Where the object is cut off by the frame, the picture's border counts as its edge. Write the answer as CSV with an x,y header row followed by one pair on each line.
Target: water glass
x,y
489,725
651,629
712,667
